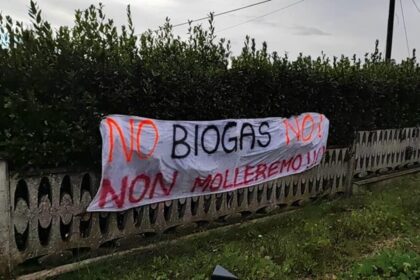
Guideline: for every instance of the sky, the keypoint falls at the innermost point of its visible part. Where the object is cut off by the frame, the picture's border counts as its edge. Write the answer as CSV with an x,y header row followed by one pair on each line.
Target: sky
x,y
335,27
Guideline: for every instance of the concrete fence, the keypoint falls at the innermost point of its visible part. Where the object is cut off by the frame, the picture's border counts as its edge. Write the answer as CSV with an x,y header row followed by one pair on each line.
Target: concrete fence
x,y
44,214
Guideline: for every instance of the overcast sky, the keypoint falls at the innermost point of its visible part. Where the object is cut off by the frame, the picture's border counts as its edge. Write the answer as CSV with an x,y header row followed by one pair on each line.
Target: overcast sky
x,y
333,26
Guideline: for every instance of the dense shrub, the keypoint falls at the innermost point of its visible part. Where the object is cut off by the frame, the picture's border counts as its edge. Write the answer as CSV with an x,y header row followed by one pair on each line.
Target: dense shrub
x,y
55,85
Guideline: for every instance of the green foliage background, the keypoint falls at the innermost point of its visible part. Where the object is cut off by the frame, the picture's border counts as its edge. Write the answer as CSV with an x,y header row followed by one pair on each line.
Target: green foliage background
x,y
57,84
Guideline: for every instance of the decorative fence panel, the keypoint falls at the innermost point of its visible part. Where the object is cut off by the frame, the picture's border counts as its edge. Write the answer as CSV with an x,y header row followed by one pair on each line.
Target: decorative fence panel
x,y
386,150
45,214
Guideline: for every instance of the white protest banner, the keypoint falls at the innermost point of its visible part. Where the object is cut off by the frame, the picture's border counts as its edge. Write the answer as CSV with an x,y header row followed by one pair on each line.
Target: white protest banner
x,y
146,161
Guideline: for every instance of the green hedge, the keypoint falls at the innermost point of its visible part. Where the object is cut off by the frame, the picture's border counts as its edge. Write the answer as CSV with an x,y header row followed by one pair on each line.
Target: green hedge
x,y
56,84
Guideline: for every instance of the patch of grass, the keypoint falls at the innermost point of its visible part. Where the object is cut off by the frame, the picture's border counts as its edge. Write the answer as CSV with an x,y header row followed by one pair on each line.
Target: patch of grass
x,y
394,264
319,241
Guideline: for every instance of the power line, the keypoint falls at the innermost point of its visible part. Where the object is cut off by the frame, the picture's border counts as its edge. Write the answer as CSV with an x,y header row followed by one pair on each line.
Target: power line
x,y
264,15
222,13
405,28
415,4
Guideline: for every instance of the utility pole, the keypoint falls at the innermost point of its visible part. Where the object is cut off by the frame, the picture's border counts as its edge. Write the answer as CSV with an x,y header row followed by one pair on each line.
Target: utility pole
x,y
390,30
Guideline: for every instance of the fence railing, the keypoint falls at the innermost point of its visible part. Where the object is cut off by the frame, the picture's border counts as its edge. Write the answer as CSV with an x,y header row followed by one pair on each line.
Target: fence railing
x,y
386,150
45,214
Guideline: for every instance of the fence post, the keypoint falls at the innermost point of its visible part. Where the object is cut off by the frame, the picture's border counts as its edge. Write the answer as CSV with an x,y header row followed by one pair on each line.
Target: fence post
x,y
351,166
5,219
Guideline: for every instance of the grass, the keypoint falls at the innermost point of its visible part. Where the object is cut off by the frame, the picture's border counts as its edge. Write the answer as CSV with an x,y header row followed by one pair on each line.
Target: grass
x,y
371,236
